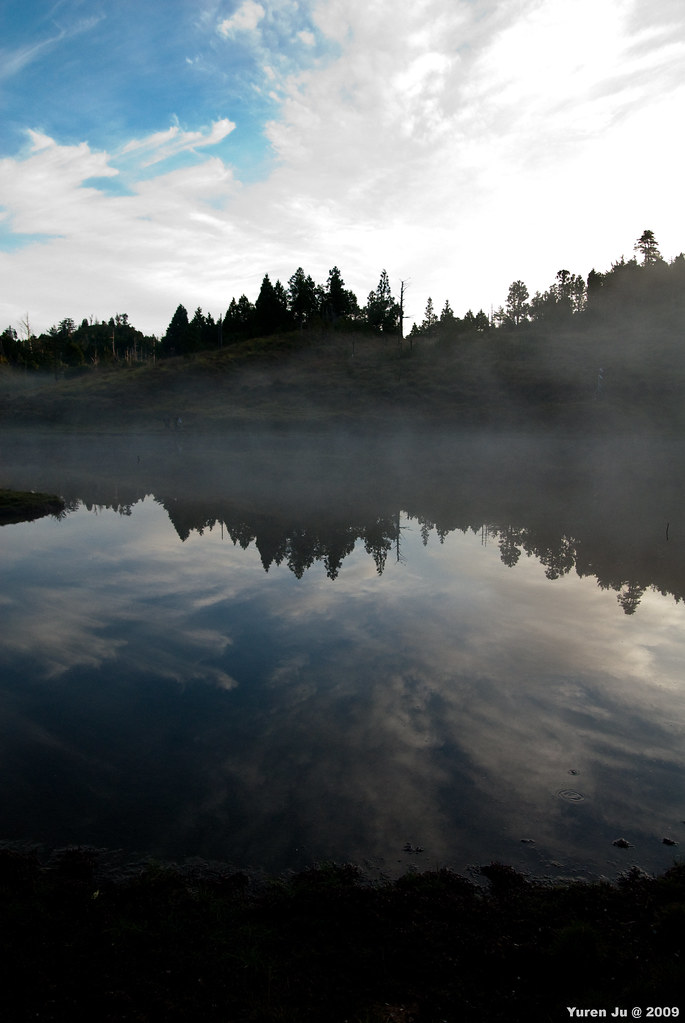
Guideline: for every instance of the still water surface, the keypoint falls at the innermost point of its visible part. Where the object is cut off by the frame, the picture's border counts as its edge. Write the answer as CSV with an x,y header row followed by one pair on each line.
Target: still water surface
x,y
232,671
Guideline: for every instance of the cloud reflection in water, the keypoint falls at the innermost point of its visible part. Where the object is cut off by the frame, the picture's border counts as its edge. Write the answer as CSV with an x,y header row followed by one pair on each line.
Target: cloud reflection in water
x,y
220,710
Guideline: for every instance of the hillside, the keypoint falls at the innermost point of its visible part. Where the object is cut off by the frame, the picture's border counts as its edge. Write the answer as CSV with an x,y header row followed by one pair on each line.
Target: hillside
x,y
625,373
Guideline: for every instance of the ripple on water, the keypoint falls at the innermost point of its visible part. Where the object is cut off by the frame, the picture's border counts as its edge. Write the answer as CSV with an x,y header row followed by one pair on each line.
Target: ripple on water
x,y
571,795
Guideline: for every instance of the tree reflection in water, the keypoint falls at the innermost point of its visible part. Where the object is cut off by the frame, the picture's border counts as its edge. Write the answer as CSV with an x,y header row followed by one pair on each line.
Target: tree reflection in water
x,y
606,508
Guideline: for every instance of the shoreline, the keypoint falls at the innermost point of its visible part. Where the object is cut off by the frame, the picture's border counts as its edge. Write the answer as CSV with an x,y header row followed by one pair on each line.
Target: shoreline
x,y
25,506
202,940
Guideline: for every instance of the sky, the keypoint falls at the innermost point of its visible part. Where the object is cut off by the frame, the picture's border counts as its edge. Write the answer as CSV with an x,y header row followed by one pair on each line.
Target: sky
x,y
155,154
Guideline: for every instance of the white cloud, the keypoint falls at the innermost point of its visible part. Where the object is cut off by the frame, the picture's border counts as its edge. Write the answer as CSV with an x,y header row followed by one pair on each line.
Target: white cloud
x,y
245,19
43,193
39,140
133,252
460,145
334,19
472,135
12,62
164,144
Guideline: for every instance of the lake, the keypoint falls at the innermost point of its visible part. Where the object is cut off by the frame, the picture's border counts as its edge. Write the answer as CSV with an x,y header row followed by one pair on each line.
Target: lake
x,y
406,651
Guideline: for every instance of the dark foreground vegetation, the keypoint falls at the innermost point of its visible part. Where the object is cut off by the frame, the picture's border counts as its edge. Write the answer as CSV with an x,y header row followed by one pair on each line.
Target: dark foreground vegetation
x,y
606,350
83,939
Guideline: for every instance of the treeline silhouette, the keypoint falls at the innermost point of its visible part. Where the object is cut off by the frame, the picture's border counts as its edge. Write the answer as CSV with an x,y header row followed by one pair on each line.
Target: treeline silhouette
x,y
71,346
647,290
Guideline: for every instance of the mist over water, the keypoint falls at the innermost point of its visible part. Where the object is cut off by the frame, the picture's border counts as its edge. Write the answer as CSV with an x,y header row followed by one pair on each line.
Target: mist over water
x,y
275,648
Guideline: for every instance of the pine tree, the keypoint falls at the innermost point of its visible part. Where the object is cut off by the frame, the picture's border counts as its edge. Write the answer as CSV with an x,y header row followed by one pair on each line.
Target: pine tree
x,y
517,308
447,318
238,321
430,319
337,299
647,246
176,337
196,332
271,312
302,300
382,311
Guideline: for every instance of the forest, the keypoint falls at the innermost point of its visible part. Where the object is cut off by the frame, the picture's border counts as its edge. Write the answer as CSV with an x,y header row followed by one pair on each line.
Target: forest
x,y
645,282
606,350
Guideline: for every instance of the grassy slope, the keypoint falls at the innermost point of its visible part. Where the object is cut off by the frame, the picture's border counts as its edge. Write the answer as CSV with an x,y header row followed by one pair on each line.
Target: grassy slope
x,y
333,377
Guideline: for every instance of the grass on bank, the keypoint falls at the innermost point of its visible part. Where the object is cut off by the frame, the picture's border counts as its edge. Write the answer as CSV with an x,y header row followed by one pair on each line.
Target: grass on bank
x,y
24,505
344,377
200,941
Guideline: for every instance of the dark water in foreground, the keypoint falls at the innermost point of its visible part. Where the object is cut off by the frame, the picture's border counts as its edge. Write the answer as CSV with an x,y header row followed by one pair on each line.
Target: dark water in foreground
x,y
280,650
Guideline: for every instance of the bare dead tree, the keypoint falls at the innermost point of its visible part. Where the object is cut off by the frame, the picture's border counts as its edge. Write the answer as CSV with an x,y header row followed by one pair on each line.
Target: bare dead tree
x,y
25,329
403,288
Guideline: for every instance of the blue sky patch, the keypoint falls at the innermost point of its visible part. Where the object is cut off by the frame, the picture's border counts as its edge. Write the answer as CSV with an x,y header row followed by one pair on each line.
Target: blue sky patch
x,y
460,144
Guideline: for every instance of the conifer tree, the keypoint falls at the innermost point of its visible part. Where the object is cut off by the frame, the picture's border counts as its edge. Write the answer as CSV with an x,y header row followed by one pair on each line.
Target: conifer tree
x,y
647,246
302,300
271,312
429,319
517,308
337,299
447,317
176,337
382,311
